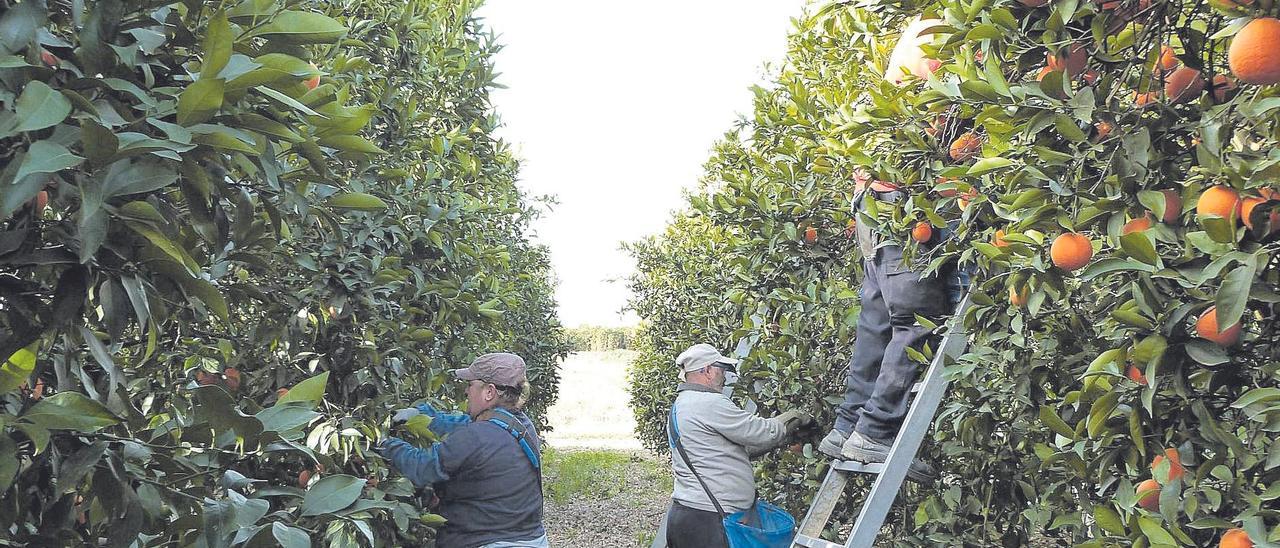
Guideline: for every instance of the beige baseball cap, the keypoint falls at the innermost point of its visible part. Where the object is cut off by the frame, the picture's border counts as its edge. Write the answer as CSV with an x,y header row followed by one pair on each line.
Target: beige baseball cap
x,y
701,355
500,368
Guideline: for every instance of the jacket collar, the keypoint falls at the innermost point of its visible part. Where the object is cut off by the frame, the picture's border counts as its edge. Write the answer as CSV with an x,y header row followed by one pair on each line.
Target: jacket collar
x,y
695,387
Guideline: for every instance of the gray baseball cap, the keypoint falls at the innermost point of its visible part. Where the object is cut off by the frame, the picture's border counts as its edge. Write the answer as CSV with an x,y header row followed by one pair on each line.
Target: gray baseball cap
x,y
500,368
701,355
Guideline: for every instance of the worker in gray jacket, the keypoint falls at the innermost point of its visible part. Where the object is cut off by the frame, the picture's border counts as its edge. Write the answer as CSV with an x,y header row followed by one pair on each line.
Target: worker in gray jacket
x,y
712,441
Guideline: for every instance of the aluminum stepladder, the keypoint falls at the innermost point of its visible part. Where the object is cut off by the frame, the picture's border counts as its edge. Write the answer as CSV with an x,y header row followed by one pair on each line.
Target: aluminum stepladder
x,y
890,474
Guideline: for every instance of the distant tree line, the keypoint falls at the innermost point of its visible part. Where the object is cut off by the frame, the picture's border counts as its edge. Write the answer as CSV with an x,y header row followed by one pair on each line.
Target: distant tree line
x,y
588,338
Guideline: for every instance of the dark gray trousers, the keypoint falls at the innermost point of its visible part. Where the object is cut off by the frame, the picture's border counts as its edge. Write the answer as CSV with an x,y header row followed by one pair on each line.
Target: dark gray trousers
x,y
693,528
880,372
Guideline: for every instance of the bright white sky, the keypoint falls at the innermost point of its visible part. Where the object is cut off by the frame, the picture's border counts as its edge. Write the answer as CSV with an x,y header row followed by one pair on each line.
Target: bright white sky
x,y
613,107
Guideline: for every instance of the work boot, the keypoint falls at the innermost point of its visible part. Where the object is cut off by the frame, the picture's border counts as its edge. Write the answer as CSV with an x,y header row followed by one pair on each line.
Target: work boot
x,y
860,448
830,445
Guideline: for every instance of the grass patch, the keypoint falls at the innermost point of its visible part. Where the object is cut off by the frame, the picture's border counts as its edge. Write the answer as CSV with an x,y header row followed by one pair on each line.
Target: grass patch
x,y
599,474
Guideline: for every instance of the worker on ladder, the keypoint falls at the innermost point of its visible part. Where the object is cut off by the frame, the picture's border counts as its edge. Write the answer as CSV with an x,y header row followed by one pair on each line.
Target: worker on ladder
x,y
880,372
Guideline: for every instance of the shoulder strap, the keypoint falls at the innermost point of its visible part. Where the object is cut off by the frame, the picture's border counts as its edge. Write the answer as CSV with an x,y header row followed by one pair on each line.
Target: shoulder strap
x,y
673,438
513,426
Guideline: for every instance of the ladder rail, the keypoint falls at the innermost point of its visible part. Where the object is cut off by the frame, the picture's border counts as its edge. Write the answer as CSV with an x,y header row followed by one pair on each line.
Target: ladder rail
x,y
906,445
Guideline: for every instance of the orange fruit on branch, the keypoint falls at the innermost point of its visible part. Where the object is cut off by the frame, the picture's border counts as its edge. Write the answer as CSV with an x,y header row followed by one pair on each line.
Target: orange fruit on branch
x,y
1252,55
1168,59
1146,99
1149,495
1176,470
314,81
1172,206
1183,84
1018,297
998,240
1071,59
810,235
922,232
1235,538
1220,200
1137,225
1224,88
233,378
966,147
1071,251
1136,375
1207,328
1104,129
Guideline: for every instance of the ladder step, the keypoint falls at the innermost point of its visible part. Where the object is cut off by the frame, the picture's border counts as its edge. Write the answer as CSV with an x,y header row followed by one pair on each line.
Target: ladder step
x,y
858,467
917,387
810,542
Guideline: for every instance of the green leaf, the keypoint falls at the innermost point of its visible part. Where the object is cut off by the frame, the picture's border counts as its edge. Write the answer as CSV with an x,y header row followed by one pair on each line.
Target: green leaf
x,y
40,106
69,411
302,27
1234,293
1067,128
8,461
1154,532
310,391
290,537
217,46
17,368
288,101
46,157
1138,245
163,243
351,143
986,165
1100,411
1051,419
433,520
200,101
18,25
1109,520
358,201
1219,229
331,494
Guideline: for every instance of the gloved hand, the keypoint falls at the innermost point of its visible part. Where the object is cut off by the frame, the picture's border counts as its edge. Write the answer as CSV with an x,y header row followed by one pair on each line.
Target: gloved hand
x,y
402,416
795,419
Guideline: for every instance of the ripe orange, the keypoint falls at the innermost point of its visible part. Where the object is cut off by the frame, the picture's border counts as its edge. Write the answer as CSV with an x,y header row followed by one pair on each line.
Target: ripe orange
x,y
1091,77
1183,84
966,198
922,233
48,58
1018,297
1220,200
1149,495
1104,129
40,202
1071,251
205,379
998,240
303,477
1176,470
851,228
1246,209
1145,99
810,235
1137,225
966,147
233,378
281,392
1252,55
1044,71
1168,59
1136,375
1235,538
1172,206
1224,88
1207,329
314,81
1071,59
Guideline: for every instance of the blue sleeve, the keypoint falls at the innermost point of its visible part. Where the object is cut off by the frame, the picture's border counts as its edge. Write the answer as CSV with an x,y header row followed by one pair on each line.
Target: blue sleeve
x,y
421,466
443,424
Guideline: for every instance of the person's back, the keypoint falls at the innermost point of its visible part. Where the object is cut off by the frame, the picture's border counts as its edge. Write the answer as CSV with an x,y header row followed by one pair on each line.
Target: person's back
x,y
493,492
715,434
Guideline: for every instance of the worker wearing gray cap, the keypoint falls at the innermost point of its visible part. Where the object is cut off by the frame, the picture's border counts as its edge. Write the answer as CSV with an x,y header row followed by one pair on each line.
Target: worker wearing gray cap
x,y
712,441
487,471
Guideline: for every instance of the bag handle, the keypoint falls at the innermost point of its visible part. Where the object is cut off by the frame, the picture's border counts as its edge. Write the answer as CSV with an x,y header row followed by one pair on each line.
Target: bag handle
x,y
673,436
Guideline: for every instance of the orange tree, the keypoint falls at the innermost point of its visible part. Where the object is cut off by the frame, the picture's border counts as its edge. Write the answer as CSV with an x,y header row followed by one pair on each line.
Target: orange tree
x,y
233,235
1102,163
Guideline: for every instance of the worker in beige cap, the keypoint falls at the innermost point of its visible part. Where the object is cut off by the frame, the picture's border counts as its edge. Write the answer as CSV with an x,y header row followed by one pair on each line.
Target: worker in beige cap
x,y
487,471
712,441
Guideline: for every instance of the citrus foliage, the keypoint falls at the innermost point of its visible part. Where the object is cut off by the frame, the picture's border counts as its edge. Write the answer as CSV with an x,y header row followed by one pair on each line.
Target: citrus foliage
x,y
1036,122
233,236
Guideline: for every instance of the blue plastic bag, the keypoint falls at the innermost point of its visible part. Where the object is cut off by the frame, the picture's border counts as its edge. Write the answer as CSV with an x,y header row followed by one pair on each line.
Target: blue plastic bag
x,y
761,526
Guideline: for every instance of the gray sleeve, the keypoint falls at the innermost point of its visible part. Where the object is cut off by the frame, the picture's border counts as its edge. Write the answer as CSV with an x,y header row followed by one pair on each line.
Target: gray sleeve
x,y
757,434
